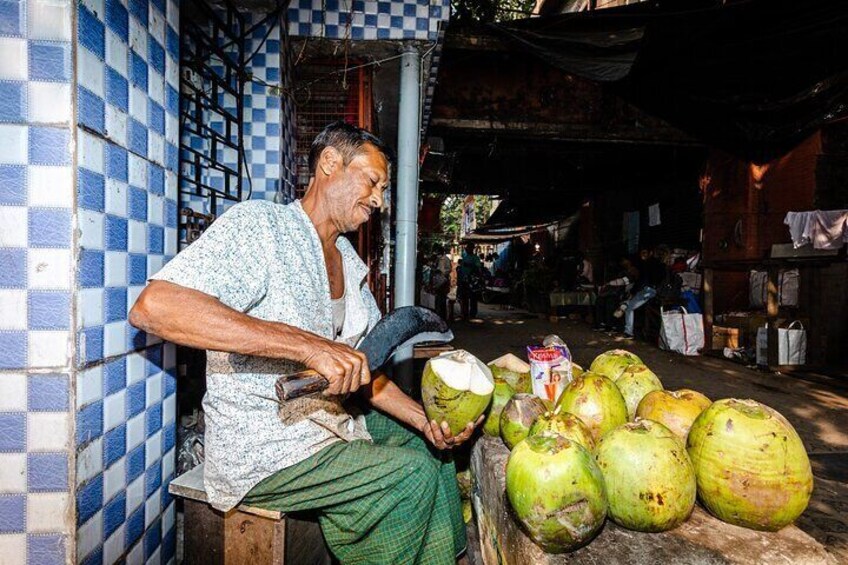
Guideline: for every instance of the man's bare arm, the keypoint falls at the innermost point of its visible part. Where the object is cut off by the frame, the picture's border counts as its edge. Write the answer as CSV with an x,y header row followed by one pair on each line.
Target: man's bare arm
x,y
192,318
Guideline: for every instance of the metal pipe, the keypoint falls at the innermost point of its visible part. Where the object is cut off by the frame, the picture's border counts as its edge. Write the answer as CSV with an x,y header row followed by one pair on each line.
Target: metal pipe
x,y
406,206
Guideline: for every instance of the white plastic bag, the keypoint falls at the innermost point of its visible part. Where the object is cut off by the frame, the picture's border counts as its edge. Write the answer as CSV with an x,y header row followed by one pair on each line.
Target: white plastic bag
x,y
791,345
682,332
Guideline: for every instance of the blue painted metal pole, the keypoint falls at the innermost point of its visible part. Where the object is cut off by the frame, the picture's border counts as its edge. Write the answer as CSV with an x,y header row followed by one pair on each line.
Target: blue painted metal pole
x,y
406,207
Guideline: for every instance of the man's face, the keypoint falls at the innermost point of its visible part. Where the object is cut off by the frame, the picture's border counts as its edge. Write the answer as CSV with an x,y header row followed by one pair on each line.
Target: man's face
x,y
357,189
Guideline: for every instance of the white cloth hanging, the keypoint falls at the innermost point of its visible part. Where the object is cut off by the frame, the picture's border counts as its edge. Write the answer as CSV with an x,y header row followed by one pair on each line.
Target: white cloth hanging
x,y
825,229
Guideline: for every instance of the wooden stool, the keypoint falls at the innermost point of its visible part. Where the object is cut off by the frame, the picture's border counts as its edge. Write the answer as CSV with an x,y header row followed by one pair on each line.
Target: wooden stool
x,y
244,535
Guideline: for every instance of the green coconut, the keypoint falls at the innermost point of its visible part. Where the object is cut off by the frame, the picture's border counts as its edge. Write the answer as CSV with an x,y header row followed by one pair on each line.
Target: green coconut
x,y
596,401
503,392
649,478
750,464
634,383
612,363
456,388
565,424
675,409
514,371
518,416
556,491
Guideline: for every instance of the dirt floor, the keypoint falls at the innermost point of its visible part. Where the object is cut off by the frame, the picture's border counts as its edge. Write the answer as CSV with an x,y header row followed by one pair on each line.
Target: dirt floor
x,y
816,405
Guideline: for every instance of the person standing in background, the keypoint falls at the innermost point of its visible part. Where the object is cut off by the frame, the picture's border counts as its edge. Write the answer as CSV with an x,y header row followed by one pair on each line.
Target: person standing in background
x,y
469,271
442,281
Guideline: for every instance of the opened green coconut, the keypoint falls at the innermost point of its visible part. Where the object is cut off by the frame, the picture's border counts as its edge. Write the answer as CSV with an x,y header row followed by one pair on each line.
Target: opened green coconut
x,y
612,363
634,383
456,388
596,401
565,424
503,392
518,416
514,371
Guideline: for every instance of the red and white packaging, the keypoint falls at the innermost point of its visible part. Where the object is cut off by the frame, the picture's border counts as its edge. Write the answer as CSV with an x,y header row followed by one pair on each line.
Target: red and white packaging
x,y
550,370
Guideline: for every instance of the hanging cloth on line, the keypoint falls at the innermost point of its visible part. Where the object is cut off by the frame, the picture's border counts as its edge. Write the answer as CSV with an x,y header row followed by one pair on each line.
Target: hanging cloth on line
x,y
825,229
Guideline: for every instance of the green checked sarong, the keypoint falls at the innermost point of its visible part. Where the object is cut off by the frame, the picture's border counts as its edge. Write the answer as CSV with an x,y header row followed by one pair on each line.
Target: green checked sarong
x,y
387,502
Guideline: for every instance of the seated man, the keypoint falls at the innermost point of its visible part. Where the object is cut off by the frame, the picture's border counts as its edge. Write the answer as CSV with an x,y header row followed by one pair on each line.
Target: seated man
x,y
269,289
611,294
652,273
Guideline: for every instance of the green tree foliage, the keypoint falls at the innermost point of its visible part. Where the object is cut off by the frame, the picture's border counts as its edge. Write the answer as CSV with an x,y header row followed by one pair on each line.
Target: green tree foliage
x,y
451,215
487,11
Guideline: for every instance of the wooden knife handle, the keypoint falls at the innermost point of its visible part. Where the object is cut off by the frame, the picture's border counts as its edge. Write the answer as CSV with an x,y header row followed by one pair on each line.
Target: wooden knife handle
x,y
300,384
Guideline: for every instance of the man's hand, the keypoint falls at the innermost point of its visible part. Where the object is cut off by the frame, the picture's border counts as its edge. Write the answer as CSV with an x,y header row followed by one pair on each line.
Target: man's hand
x,y
345,368
441,437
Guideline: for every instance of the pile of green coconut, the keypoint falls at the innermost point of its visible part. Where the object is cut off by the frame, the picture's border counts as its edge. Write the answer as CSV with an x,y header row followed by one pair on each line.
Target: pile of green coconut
x,y
617,444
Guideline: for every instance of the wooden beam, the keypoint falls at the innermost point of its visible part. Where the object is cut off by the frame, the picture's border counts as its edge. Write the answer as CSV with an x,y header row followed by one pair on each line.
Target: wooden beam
x,y
476,41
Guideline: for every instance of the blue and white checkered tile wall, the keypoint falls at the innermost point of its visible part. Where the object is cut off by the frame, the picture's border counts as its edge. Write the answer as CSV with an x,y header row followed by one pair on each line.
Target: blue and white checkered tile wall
x,y
367,19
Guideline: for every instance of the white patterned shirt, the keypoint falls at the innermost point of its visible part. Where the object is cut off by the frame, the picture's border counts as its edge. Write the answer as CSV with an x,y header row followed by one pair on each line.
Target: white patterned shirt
x,y
266,260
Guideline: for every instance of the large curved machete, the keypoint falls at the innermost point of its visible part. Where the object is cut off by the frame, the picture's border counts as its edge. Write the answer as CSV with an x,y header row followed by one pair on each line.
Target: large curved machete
x,y
405,326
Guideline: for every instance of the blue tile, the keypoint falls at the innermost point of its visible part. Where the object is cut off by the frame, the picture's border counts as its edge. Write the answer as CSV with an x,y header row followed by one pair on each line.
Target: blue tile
x,y
138,269
396,22
135,463
166,496
258,115
137,137
384,32
91,110
370,20
272,130
91,32
117,90
135,526
152,479
89,499
49,310
46,549
156,117
155,179
90,422
49,228
137,204
160,5
12,431
169,437
138,8
172,101
114,445
117,19
49,146
11,18
357,33
136,339
136,396
14,182
272,46
152,538
114,514
116,304
115,372
155,361
93,344
170,382
47,393
155,239
169,544
170,213
116,162
156,56
172,157
272,75
12,513
116,233
13,100
50,61
138,71
12,269
13,349
91,268
422,24
47,472
94,558
92,189
153,419
172,43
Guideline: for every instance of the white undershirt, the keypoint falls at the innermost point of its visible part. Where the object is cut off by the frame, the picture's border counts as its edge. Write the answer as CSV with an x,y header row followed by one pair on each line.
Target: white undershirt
x,y
338,314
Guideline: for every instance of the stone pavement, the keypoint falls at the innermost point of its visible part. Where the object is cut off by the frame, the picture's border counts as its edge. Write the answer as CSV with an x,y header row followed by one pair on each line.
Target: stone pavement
x,y
816,407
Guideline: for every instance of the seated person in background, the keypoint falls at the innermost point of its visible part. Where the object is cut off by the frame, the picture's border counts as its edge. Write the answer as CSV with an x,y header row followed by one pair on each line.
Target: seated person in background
x,y
585,275
652,273
612,293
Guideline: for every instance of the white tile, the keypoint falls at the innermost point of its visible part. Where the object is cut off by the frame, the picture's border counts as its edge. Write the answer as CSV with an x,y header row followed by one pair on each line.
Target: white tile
x,y
156,24
173,15
138,38
135,431
171,185
114,410
136,369
155,209
169,409
13,305
116,268
137,237
90,307
116,125
13,549
172,129
155,147
136,554
170,241
49,348
169,518
138,105
95,6
13,473
168,462
115,478
90,70
50,186
49,102
89,386
116,53
15,226
114,338
116,198
13,58
90,152
90,535
90,461
135,494
14,397
48,431
91,229
14,146
46,512
153,340
133,292
49,269
154,389
172,73
156,87
153,447
154,264
49,19
113,548
152,507
138,171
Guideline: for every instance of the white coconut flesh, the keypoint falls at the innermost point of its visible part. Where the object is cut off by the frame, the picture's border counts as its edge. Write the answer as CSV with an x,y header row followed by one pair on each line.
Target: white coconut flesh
x,y
462,371
511,363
